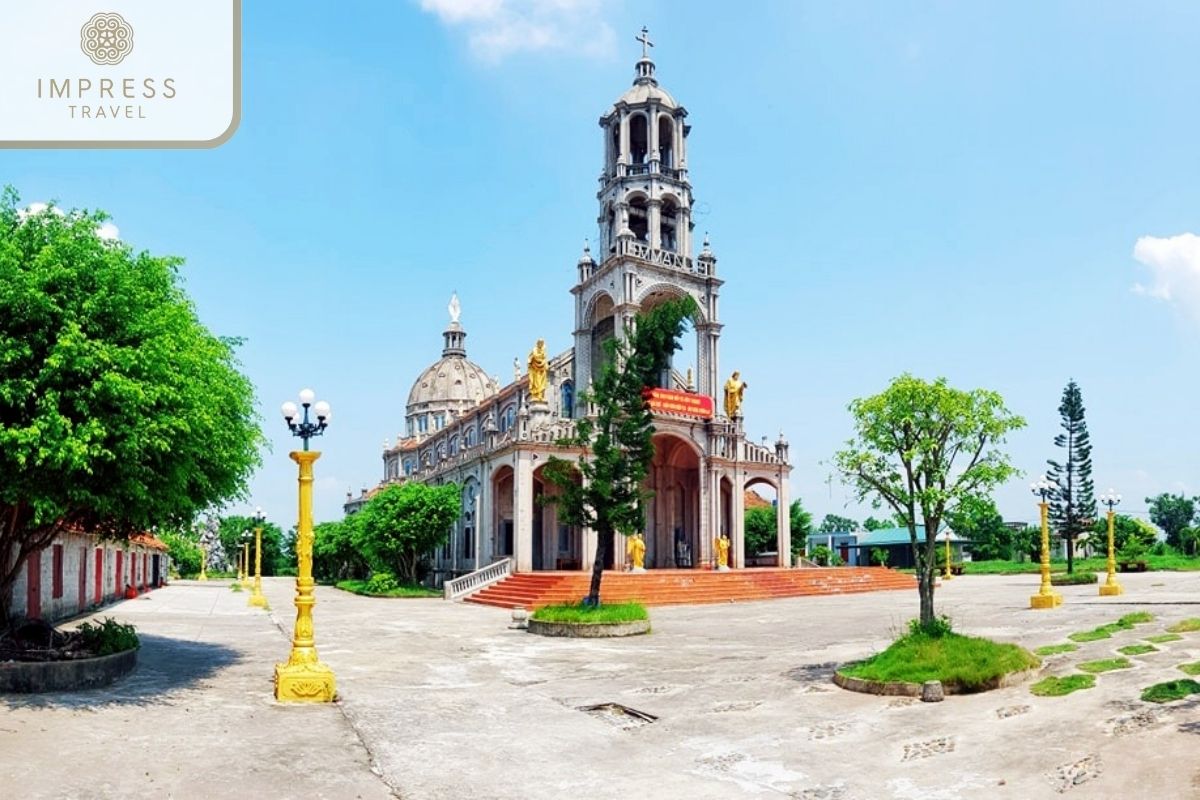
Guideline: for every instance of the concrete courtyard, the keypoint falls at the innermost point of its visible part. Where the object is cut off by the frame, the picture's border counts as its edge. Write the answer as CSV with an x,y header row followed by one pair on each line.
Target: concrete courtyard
x,y
442,700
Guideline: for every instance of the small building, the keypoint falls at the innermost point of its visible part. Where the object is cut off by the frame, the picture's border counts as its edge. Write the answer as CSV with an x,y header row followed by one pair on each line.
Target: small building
x,y
842,543
897,542
80,570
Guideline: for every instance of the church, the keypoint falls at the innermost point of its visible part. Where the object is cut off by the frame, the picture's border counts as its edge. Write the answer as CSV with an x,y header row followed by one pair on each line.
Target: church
x,y
462,427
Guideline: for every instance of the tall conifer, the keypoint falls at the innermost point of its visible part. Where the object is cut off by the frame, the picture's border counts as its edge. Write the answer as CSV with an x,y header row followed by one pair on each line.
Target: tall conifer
x,y
1072,501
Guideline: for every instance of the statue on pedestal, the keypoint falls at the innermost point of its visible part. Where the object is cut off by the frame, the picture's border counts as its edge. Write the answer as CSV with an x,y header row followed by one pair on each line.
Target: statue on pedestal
x,y
635,549
721,547
735,390
539,369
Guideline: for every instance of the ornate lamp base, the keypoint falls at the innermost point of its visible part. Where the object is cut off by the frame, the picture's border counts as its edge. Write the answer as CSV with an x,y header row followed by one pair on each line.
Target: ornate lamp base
x,y
1045,601
1111,590
304,683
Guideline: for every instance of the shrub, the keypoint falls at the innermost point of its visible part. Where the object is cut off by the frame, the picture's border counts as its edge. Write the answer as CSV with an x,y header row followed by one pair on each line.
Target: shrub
x,y
1072,579
821,555
879,556
939,627
381,583
108,637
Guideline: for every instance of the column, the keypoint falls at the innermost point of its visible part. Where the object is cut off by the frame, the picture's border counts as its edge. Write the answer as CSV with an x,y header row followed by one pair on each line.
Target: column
x,y
784,521
477,523
523,512
623,156
652,137
654,213
738,521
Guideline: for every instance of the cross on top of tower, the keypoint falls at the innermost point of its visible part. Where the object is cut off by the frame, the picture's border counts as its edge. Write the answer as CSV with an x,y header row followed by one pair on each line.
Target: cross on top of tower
x,y
645,40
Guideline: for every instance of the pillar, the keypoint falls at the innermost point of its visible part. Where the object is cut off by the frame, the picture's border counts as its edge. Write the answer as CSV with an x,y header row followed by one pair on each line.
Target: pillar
x,y
738,521
523,511
784,522
654,221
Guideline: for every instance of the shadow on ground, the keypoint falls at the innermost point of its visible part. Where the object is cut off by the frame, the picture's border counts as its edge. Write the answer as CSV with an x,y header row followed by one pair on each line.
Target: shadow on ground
x,y
166,668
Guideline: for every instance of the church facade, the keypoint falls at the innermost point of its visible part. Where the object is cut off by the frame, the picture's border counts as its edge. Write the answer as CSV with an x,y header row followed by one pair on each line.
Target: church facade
x,y
461,426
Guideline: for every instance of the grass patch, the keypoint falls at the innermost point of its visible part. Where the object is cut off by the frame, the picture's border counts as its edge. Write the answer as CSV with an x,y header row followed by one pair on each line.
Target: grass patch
x,y
1073,579
235,587
1125,623
1171,690
1054,686
1164,637
967,661
1055,649
1191,669
1137,649
603,613
1189,625
1171,563
1135,618
403,590
1090,636
1106,665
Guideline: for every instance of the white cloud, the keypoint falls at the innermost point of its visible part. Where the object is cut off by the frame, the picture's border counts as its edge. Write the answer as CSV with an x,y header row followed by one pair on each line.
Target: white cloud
x,y
105,230
1174,264
496,29
108,231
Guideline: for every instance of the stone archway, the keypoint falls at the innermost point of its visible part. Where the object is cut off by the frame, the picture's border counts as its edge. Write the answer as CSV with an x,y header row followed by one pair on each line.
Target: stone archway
x,y
556,545
503,536
673,512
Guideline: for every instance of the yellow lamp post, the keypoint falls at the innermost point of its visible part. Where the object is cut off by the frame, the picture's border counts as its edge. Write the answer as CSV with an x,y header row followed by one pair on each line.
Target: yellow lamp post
x,y
257,599
1046,597
303,678
246,558
947,574
203,563
1110,587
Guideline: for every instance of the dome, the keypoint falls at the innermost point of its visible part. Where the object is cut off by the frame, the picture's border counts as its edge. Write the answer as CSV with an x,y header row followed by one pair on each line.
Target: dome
x,y
454,382
641,93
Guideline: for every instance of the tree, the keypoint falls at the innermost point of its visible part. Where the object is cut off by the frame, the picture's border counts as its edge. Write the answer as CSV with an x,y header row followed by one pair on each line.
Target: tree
x,y
923,448
1126,530
801,525
835,524
336,556
119,410
401,525
761,529
872,524
233,530
1172,513
184,550
1072,500
977,520
616,444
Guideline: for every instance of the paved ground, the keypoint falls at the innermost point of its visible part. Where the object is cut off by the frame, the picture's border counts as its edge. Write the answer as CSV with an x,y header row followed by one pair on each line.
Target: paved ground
x,y
449,703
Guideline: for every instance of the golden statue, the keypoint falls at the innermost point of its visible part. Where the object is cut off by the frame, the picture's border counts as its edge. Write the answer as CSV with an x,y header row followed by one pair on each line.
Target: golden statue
x,y
721,545
735,390
538,372
635,550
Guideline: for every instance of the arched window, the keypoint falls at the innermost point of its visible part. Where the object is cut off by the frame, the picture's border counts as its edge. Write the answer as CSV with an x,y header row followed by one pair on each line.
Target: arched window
x,y
666,225
441,450
469,437
639,139
410,467
614,147
423,423
666,140
568,399
639,218
453,445
508,418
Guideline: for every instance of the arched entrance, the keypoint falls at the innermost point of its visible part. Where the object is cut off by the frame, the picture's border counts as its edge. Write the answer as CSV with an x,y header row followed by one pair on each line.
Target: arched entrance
x,y
502,513
556,545
673,512
761,524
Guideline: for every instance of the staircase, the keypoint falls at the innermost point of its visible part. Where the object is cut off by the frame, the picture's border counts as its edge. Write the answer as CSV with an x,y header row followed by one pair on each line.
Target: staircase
x,y
681,587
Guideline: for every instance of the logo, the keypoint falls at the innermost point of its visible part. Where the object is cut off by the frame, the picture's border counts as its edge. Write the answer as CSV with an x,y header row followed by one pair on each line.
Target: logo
x,y
106,38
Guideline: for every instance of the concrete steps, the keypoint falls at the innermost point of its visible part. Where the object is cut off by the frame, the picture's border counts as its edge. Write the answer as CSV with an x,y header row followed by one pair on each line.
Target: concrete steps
x,y
676,587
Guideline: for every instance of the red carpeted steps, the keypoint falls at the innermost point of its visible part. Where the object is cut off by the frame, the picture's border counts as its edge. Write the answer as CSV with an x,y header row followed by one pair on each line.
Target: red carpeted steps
x,y
674,587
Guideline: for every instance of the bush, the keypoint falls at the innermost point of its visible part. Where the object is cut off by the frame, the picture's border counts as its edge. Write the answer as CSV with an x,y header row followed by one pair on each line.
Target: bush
x,y
108,637
935,630
879,556
185,553
381,583
1072,579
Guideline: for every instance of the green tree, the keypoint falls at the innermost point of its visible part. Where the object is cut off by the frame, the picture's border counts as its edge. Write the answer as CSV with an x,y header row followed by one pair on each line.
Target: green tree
x,y
617,443
1072,500
802,527
832,523
872,524
1172,513
977,520
761,530
184,550
1125,531
236,530
336,555
923,448
119,410
400,526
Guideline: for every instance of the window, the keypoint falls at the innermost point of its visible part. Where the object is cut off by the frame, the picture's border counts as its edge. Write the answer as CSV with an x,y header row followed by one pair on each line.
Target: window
x,y
409,427
508,418
470,436
422,423
568,399
439,422
410,467
453,445
57,578
468,548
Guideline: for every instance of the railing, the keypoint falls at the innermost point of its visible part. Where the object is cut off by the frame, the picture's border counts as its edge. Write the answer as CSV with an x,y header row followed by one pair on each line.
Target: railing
x,y
756,454
479,579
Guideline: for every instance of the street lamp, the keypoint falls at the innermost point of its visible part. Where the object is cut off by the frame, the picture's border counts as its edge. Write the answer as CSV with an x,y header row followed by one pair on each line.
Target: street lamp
x,y
1110,587
947,575
303,678
244,556
203,563
257,599
241,562
1046,596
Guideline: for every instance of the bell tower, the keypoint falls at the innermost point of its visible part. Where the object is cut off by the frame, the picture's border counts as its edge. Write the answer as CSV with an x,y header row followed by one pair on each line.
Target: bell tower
x,y
646,252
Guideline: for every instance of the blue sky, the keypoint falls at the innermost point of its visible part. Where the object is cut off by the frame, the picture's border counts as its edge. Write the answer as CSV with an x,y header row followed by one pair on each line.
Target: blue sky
x,y
1000,193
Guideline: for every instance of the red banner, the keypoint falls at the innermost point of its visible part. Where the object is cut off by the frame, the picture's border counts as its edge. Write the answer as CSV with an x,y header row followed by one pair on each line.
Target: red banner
x,y
671,401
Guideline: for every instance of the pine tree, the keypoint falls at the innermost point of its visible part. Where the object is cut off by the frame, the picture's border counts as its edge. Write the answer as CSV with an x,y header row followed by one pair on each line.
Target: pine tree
x,y
1072,501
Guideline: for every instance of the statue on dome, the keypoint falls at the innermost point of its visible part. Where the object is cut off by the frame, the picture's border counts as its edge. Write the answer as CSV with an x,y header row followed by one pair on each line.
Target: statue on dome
x,y
735,391
635,551
721,546
455,308
539,370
